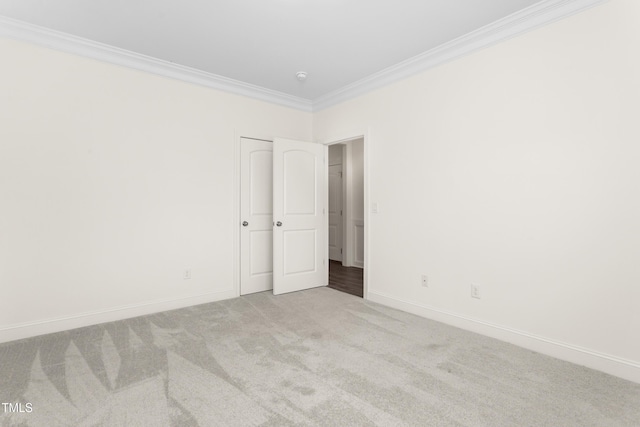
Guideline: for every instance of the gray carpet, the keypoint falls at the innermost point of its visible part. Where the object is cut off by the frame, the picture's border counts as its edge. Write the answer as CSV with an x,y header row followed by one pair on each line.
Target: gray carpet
x,y
317,357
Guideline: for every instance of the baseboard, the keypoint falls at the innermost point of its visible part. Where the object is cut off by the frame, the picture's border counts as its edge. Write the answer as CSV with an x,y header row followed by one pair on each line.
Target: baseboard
x,y
612,365
41,327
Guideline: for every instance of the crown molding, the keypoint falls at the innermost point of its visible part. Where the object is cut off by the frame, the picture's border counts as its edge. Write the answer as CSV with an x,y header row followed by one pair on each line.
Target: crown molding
x,y
57,40
535,16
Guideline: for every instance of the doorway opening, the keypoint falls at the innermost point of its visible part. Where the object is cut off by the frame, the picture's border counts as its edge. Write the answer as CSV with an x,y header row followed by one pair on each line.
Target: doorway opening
x,y
346,216
255,261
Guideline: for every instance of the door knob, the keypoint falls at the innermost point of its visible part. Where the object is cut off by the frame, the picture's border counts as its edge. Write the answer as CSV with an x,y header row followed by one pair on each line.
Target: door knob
x,y
279,224
245,223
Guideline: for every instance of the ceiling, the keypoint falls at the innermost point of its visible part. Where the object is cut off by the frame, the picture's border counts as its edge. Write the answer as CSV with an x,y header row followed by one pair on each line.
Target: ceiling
x,y
265,42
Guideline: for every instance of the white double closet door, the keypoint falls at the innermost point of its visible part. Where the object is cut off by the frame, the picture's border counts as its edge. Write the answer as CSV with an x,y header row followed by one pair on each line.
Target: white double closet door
x,y
282,237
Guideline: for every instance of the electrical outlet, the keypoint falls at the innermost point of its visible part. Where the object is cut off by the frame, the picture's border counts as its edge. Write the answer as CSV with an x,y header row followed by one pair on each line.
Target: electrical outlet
x,y
475,290
425,281
187,274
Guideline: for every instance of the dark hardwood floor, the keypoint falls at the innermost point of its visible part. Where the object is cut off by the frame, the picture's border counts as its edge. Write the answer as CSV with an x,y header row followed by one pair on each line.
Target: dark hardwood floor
x,y
345,279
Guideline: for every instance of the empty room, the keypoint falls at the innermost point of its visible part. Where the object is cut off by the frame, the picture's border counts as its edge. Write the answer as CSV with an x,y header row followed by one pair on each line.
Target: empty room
x,y
320,213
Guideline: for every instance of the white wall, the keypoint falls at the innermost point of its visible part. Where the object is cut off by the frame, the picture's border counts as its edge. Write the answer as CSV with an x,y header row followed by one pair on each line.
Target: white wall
x,y
113,181
516,168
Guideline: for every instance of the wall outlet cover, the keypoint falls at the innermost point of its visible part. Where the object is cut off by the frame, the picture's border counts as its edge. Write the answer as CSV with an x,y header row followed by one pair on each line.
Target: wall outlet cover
x,y
425,281
475,290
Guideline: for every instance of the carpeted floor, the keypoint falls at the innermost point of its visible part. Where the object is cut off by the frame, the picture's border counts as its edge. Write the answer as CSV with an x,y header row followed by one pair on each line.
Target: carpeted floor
x,y
317,357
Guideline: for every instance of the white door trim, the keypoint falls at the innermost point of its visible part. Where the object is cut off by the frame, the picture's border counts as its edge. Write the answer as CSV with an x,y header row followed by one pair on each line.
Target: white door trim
x,y
365,134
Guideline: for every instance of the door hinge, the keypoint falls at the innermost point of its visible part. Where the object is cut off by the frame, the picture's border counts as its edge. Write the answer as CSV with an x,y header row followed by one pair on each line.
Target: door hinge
x,y
340,212
340,251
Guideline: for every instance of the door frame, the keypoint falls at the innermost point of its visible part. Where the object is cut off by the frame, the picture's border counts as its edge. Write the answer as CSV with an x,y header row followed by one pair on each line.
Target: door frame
x,y
365,134
339,139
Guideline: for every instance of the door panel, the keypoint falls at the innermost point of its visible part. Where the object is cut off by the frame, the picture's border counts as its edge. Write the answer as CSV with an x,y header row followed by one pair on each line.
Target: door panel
x,y
261,170
300,186
256,208
296,261
298,191
261,242
335,212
